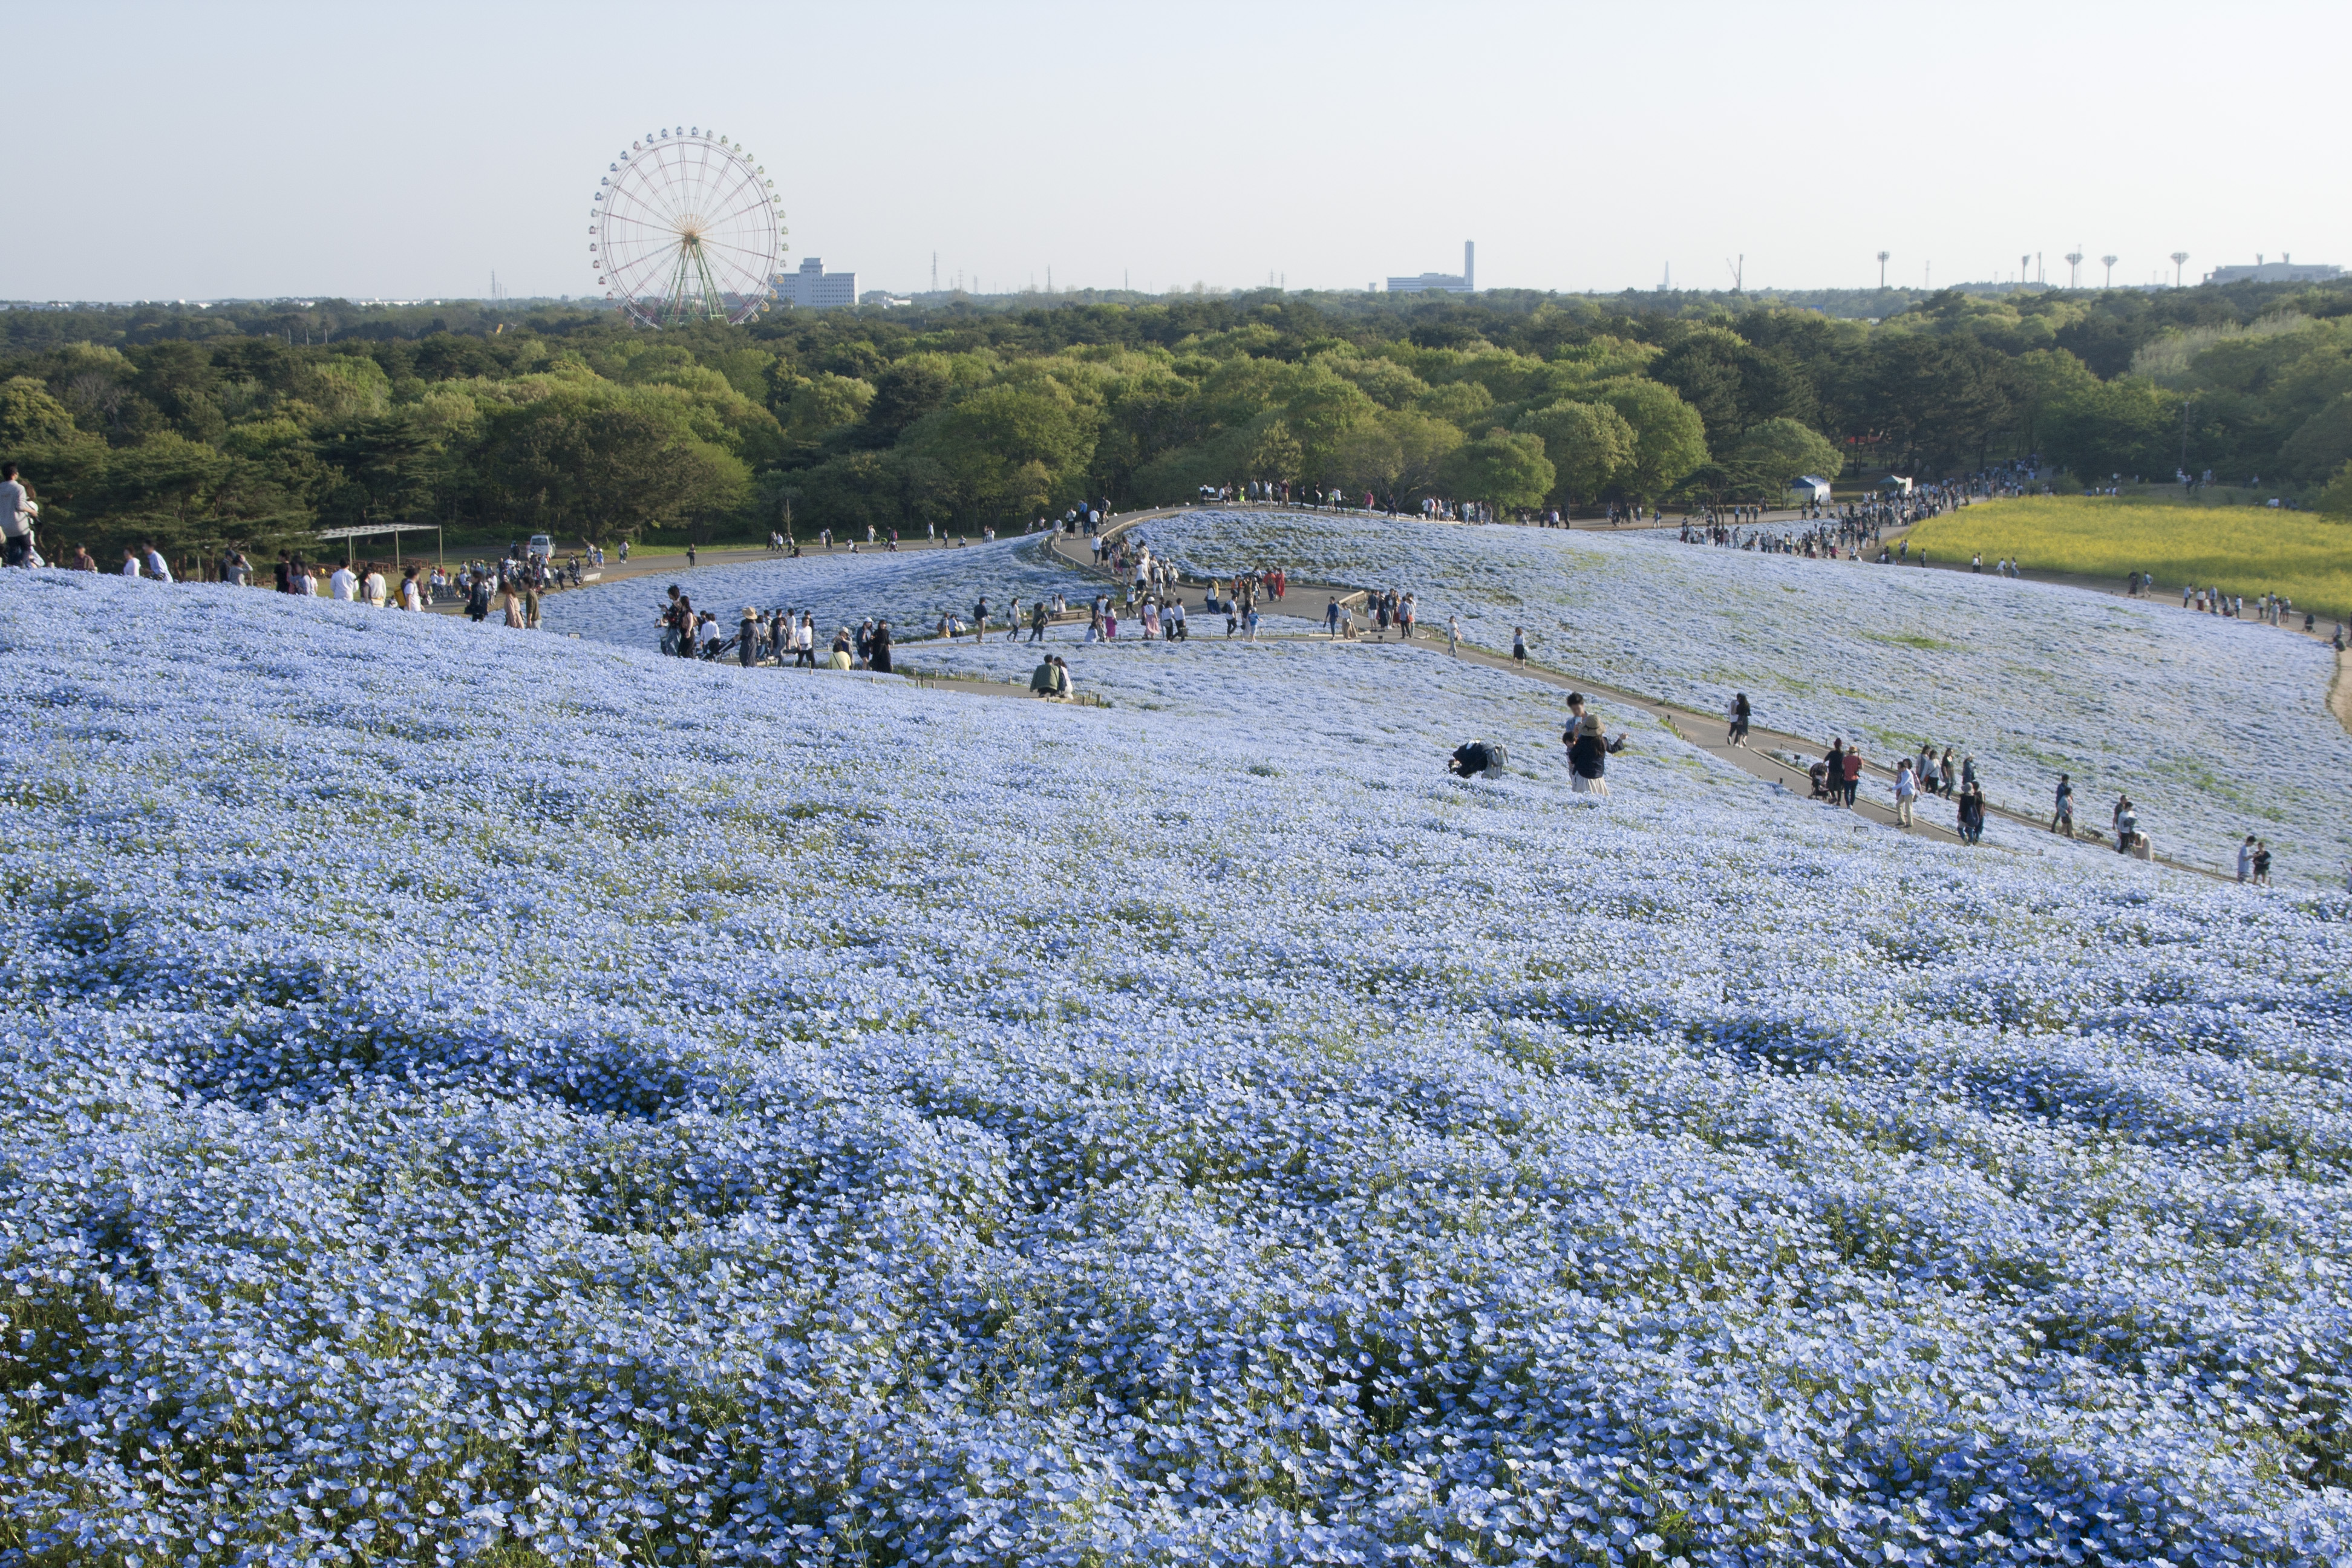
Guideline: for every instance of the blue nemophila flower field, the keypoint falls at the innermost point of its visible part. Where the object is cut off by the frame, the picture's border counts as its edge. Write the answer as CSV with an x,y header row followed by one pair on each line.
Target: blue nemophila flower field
x,y
469,1092
911,589
2217,727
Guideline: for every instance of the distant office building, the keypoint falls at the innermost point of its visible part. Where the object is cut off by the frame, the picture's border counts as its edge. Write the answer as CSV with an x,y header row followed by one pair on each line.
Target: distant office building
x,y
815,289
1464,282
2282,270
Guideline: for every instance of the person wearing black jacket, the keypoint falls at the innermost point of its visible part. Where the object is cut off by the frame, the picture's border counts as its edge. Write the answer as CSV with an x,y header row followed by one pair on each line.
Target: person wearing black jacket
x,y
877,653
1588,755
1972,813
1474,757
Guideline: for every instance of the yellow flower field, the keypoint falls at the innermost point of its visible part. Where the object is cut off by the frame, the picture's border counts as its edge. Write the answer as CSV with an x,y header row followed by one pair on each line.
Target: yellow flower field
x,y
2250,551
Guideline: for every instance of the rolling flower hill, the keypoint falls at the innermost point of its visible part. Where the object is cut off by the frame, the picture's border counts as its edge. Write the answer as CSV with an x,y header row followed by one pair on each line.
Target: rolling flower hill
x,y
471,1092
2216,728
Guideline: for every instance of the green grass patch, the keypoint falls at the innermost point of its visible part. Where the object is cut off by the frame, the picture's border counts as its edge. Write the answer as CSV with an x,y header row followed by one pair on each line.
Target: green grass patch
x,y
2250,551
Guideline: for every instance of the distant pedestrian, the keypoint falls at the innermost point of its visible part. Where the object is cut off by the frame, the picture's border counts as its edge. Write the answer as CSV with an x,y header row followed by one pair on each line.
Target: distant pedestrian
x,y
1906,792
1853,774
15,517
2261,863
2246,859
2063,819
1518,645
1741,713
1971,813
1454,634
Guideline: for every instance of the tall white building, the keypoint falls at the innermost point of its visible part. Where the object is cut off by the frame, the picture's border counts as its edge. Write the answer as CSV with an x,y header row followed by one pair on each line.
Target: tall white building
x,y
1464,282
815,289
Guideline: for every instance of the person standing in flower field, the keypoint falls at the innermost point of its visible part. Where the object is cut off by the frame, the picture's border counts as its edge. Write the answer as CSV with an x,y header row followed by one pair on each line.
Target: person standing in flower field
x,y
1906,794
131,567
157,567
1853,772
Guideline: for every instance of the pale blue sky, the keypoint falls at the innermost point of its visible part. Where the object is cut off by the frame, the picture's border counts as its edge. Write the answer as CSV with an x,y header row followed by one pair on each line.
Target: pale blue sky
x,y
215,149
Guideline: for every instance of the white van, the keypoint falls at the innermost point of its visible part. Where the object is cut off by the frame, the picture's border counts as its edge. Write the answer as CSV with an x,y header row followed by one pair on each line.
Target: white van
x,y
541,548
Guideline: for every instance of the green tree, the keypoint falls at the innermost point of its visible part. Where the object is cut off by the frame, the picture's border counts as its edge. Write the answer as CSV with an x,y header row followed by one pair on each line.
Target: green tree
x,y
2322,443
994,442
1589,444
609,471
1774,454
1668,439
1399,457
2336,500
1935,399
2124,427
1503,467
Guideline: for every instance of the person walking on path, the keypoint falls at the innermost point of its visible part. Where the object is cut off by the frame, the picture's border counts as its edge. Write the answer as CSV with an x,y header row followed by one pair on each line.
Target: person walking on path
x,y
1453,636
2063,819
1331,618
1741,713
2261,863
2246,859
1520,646
161,570
1851,773
1906,794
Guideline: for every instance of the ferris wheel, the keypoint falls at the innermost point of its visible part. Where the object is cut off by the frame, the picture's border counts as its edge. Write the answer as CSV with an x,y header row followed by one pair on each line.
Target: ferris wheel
x,y
686,227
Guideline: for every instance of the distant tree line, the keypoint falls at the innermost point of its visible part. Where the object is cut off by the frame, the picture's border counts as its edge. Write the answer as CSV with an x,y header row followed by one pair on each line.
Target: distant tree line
x,y
253,424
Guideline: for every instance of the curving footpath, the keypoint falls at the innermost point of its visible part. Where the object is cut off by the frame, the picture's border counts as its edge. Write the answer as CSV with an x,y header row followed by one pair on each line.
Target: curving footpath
x,y
1695,728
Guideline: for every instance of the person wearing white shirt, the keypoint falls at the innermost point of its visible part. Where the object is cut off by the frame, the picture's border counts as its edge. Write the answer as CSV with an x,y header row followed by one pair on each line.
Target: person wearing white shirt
x,y
410,598
15,516
343,584
375,589
130,562
157,567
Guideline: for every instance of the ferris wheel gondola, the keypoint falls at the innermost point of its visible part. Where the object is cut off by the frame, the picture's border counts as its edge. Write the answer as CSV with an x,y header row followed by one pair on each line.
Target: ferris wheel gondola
x,y
686,226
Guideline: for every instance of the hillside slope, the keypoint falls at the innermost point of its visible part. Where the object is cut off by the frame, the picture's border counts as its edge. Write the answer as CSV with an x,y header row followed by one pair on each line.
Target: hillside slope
x,y
467,1087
